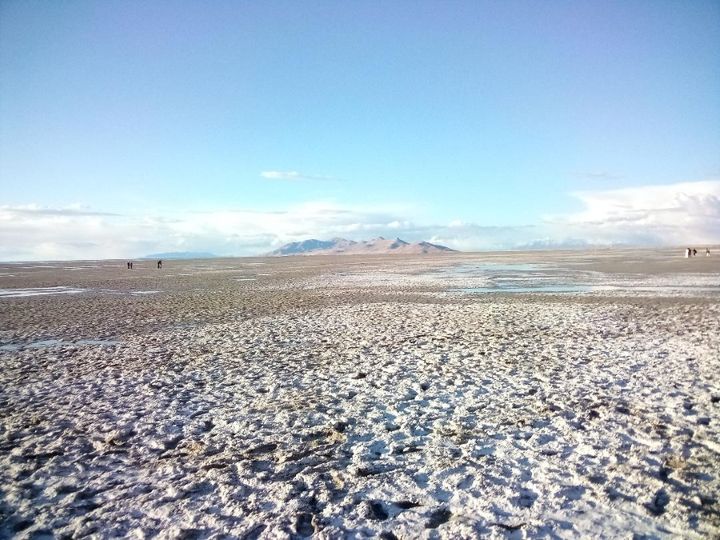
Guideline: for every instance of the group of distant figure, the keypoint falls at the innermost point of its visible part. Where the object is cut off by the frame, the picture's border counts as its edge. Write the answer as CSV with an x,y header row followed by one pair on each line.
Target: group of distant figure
x,y
130,264
692,252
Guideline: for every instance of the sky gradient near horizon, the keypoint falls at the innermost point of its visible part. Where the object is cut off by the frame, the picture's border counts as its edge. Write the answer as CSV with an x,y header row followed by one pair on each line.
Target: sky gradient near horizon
x,y
134,127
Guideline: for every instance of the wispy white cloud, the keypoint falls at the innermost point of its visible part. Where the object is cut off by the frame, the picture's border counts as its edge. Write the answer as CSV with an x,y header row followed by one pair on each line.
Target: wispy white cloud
x,y
597,175
294,176
34,209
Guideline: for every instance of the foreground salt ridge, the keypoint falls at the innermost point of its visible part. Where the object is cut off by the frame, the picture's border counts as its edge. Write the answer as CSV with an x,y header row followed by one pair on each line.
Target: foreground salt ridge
x,y
498,418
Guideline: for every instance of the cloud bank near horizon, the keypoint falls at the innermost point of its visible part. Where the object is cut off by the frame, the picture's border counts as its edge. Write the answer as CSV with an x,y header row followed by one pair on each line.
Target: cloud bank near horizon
x,y
676,214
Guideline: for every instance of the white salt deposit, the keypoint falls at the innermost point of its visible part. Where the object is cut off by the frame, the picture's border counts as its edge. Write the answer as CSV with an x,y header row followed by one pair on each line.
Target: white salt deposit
x,y
38,291
360,401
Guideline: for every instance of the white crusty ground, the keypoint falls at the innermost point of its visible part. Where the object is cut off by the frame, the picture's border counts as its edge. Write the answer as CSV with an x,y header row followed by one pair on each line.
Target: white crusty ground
x,y
490,416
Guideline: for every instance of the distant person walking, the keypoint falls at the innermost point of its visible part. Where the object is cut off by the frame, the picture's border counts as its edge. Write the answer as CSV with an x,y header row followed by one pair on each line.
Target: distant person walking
x,y
159,264
694,252
688,253
129,265
707,252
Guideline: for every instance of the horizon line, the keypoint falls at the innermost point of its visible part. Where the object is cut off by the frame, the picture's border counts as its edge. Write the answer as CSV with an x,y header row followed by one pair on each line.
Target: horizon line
x,y
587,247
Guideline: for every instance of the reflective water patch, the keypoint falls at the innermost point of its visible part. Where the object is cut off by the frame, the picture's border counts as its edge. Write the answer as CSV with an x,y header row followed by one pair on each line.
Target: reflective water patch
x,y
541,288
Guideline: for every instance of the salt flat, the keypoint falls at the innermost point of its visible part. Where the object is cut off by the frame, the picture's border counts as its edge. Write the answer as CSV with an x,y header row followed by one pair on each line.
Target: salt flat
x,y
538,394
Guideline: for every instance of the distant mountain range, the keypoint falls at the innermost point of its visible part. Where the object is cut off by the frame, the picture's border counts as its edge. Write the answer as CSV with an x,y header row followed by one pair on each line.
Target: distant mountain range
x,y
341,246
170,255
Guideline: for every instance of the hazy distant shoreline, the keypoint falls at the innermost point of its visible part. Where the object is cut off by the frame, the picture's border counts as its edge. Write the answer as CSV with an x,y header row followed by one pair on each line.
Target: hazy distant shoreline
x,y
669,251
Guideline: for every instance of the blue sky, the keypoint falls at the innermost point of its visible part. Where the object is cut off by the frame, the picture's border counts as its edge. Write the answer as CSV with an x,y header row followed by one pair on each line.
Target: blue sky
x,y
235,126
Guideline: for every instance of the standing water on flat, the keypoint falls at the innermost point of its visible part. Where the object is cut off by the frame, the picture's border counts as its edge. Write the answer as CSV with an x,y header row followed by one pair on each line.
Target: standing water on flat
x,y
515,278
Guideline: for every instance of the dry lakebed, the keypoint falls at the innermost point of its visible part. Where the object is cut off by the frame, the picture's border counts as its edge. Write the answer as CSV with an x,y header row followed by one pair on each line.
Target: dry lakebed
x,y
494,395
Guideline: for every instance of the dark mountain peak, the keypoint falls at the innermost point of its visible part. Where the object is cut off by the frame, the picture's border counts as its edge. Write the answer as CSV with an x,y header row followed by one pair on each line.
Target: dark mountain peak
x,y
398,243
428,245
